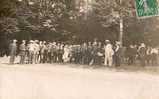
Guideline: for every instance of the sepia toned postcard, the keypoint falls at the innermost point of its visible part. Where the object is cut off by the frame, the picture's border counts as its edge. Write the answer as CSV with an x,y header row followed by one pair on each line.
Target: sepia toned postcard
x,y
79,49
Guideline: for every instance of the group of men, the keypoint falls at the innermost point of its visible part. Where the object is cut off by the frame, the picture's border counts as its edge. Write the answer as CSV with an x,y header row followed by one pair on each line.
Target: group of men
x,y
88,53
91,53
147,55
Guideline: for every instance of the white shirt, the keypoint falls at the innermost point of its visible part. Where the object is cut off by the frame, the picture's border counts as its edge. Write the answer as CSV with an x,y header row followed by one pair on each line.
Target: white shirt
x,y
154,51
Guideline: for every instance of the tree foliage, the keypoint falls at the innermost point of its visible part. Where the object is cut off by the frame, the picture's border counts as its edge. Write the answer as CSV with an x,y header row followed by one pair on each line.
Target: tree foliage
x,y
8,22
109,11
9,25
43,14
136,30
33,17
62,19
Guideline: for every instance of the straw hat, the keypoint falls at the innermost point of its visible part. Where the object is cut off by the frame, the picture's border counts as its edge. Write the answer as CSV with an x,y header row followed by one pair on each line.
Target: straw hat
x,y
14,40
107,40
31,41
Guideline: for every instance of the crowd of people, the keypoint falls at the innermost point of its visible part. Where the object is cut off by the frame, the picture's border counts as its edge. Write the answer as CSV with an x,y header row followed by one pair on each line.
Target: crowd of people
x,y
89,53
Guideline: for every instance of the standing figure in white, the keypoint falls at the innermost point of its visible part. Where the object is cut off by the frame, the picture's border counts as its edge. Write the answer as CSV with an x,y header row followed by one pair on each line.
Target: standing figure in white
x,y
109,52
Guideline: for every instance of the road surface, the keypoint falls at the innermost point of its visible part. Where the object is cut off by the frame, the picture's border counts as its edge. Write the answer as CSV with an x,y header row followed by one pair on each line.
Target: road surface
x,y
45,81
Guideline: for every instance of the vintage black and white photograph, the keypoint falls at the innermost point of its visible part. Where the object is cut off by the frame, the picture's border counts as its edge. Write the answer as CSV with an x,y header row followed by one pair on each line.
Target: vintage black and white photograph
x,y
79,49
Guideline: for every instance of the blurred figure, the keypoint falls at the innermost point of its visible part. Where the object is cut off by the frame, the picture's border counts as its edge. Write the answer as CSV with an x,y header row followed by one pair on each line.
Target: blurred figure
x,y
60,52
31,51
84,53
117,55
89,52
123,55
131,54
36,51
100,54
40,52
49,54
66,54
22,53
44,52
94,53
148,55
154,53
13,51
54,53
78,54
142,54
108,54
71,47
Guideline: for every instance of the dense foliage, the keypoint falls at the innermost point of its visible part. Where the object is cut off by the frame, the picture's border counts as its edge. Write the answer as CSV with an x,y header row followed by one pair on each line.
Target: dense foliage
x,y
62,20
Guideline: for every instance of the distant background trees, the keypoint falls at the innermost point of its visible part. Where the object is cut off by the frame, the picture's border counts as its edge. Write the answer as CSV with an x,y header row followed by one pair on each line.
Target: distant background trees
x,y
72,21
135,30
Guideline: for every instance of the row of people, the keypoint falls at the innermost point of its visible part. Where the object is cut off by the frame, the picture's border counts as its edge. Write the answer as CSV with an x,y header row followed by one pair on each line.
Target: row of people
x,y
91,53
146,54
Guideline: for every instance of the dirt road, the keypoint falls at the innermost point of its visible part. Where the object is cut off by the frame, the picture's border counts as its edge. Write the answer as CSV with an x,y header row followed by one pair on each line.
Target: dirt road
x,y
64,82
